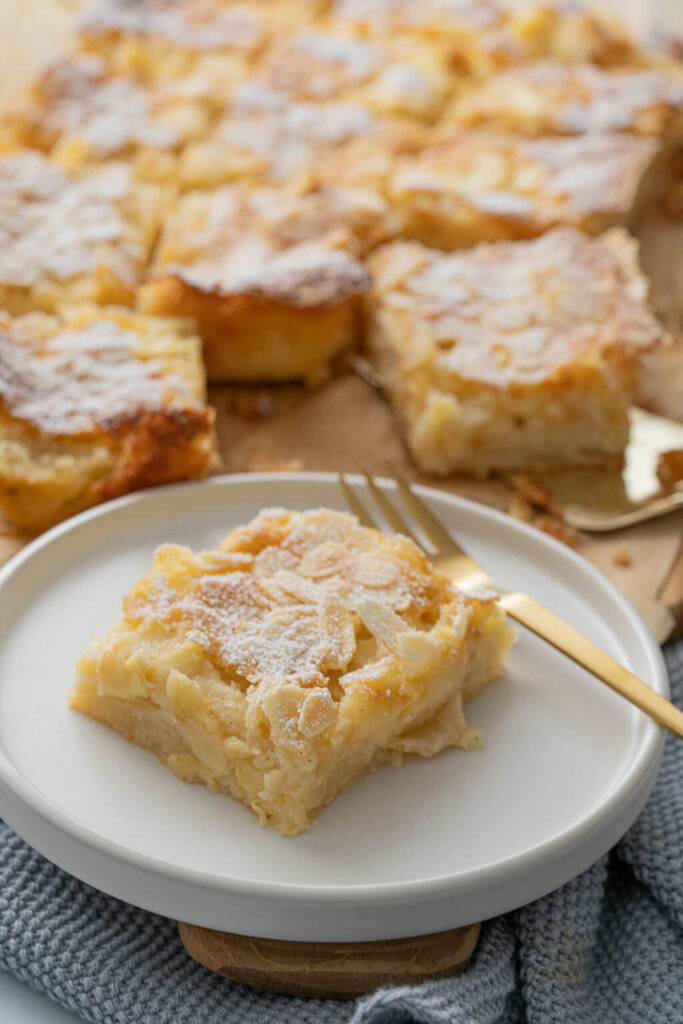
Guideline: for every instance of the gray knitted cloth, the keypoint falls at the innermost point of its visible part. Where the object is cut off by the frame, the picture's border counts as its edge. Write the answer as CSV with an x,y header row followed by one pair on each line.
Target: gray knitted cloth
x,y
607,947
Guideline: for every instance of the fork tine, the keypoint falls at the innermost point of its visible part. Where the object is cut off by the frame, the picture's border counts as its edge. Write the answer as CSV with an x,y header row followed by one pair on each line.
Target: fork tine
x,y
395,519
354,503
437,534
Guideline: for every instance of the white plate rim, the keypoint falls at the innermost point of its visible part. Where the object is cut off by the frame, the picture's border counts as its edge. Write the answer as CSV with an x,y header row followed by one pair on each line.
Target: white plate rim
x,y
635,780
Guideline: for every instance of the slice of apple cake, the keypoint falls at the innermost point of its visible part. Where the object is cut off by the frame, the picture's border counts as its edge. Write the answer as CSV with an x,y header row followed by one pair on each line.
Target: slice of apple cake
x,y
96,404
511,355
303,653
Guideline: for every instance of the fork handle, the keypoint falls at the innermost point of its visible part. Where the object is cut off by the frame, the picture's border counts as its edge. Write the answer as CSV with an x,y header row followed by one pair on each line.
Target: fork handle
x,y
575,645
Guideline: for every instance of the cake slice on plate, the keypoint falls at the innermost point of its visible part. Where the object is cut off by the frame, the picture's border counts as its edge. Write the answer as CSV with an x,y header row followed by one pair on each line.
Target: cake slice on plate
x,y
303,653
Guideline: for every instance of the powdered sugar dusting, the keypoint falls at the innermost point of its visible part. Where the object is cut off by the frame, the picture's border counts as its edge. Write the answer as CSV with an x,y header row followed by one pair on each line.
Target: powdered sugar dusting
x,y
308,275
289,139
358,57
593,173
550,180
109,114
388,14
519,311
75,381
319,65
267,242
194,24
575,98
57,227
292,615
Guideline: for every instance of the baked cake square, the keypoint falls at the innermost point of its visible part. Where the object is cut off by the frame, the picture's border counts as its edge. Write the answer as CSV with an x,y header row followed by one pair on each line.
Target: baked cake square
x,y
484,36
272,276
569,32
478,186
72,236
302,654
386,17
266,137
511,355
547,97
100,403
404,77
158,38
79,112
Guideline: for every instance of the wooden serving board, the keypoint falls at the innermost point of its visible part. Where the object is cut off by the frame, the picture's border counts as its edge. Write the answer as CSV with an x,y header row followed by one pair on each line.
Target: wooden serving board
x,y
331,970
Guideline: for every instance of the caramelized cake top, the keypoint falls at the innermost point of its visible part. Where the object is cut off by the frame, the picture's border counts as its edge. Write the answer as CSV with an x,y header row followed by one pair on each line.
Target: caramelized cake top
x,y
517,312
55,225
94,376
509,176
550,96
195,24
76,97
299,597
299,248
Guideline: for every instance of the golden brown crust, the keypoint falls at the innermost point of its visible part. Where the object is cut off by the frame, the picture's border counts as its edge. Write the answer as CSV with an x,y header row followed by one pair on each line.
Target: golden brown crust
x,y
93,408
272,276
256,338
160,447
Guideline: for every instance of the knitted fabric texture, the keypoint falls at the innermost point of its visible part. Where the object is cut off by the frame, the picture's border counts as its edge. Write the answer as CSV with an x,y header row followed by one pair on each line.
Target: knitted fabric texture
x,y
607,948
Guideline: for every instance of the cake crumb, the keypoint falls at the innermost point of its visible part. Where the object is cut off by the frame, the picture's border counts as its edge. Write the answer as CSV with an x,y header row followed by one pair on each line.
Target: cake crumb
x,y
535,492
670,469
532,503
622,558
559,530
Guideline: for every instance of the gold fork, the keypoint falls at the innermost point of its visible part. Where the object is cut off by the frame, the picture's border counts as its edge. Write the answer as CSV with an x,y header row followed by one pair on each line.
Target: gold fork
x,y
448,557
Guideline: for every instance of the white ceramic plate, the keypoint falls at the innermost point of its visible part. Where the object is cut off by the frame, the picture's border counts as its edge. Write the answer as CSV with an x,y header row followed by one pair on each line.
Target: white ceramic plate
x,y
432,845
